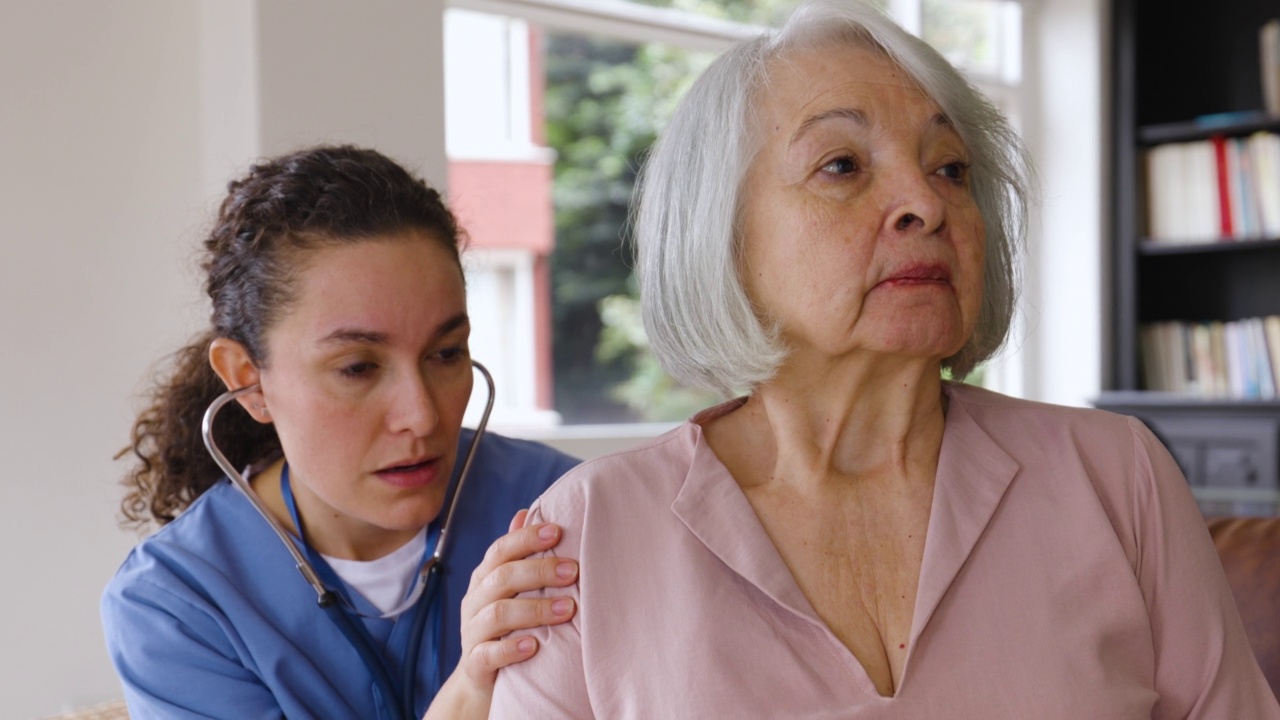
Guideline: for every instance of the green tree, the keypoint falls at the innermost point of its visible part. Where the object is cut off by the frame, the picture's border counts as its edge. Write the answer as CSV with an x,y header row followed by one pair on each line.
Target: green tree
x,y
605,101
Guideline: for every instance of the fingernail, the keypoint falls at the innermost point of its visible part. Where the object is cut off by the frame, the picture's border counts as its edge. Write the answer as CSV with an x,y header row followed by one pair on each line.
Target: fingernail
x,y
525,645
566,570
547,532
562,606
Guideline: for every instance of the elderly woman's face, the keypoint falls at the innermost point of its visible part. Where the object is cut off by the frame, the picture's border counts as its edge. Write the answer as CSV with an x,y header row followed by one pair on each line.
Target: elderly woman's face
x,y
860,231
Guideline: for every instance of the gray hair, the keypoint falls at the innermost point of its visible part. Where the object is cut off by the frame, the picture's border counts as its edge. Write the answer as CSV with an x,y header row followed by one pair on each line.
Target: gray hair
x,y
701,324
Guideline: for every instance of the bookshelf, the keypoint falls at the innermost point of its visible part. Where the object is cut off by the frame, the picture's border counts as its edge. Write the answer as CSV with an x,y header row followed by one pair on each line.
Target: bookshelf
x,y
1184,72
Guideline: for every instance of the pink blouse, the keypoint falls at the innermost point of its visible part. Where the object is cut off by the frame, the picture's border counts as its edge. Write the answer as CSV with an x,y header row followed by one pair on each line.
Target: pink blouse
x,y
1067,574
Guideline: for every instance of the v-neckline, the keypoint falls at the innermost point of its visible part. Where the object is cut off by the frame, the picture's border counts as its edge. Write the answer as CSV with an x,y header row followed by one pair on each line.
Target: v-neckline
x,y
973,475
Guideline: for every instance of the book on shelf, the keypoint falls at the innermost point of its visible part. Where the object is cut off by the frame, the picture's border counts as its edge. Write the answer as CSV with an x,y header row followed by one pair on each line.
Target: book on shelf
x,y
1220,189
1228,181
1268,382
1223,360
1264,150
1269,54
1271,328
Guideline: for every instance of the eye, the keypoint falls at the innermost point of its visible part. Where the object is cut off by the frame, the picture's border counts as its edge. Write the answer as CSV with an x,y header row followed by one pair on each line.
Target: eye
x,y
957,171
359,369
451,355
841,166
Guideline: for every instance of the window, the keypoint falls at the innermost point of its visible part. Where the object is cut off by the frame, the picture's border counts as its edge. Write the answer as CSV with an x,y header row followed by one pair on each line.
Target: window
x,y
548,113
550,105
984,39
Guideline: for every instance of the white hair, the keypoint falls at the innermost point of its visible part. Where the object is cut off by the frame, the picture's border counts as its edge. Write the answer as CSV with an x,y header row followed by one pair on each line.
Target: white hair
x,y
701,324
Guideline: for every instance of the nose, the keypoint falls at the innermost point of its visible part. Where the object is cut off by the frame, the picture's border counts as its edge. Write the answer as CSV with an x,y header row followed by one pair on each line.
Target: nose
x,y
413,407
908,219
915,206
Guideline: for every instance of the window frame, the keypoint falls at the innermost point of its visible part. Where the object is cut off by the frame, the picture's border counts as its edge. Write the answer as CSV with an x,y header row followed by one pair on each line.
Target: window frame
x,y
620,20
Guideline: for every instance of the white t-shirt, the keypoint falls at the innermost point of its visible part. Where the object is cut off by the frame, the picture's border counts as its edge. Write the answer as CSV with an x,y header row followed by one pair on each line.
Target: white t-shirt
x,y
385,582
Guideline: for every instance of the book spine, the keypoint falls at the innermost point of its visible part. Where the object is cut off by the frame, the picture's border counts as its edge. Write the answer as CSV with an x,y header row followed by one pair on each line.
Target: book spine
x,y
1235,364
1266,175
1269,55
1157,161
1261,359
1271,330
1226,228
1206,206
1202,356
1250,221
1149,350
1217,343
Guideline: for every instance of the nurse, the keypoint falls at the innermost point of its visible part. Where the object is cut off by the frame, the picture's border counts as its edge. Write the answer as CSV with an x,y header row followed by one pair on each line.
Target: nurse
x,y
337,290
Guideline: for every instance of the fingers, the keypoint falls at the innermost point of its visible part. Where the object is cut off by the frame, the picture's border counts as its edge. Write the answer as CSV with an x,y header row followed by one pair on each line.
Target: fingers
x,y
492,611
517,522
483,635
507,570
507,616
510,579
488,658
522,542
520,576
517,544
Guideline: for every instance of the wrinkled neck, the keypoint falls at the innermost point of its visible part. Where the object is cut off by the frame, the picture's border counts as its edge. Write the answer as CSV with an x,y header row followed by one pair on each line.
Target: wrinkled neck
x,y
842,424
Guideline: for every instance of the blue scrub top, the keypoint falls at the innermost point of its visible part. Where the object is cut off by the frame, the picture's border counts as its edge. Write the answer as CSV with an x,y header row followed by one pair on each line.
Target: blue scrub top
x,y
209,618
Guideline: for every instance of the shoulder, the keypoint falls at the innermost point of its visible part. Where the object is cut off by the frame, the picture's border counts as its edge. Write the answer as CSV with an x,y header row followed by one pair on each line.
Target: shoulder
x,y
504,455
1112,457
202,613
988,404
201,548
651,472
506,475
182,575
617,509
1026,425
219,511
1104,445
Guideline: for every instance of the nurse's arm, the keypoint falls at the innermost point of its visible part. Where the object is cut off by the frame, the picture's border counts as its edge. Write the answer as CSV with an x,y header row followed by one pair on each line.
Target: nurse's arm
x,y
492,615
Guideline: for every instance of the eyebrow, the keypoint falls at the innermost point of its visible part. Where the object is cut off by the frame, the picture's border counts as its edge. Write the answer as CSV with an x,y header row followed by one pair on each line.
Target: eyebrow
x,y
343,336
853,114
859,117
941,120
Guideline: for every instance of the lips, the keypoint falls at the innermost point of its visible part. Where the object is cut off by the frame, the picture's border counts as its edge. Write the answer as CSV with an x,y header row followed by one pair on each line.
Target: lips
x,y
919,274
411,474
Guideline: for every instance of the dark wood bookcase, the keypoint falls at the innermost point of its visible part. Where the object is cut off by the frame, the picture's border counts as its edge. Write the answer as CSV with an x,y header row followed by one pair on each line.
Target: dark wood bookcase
x,y
1174,62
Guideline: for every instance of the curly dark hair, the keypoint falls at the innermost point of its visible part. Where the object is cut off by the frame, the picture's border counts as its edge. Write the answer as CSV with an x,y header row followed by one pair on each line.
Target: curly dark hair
x,y
271,218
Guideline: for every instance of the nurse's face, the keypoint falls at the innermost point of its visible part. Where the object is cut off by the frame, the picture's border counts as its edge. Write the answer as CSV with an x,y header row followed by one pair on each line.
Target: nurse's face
x,y
366,381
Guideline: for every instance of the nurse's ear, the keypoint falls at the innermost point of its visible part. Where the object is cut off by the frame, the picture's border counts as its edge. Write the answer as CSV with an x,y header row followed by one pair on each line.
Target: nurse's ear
x,y
231,361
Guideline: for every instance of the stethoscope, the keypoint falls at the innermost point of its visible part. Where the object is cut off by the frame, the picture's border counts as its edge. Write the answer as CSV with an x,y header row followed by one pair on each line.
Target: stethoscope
x,y
394,705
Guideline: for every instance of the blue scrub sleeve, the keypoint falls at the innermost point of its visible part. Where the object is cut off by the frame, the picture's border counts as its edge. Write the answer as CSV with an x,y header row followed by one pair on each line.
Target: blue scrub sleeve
x,y
176,661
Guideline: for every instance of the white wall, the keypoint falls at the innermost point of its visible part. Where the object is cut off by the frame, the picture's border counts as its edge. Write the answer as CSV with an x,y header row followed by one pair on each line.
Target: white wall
x,y
369,72
98,181
119,123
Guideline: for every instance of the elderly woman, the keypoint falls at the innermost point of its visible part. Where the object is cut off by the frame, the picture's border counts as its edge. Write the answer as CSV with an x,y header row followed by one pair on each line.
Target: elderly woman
x,y
829,223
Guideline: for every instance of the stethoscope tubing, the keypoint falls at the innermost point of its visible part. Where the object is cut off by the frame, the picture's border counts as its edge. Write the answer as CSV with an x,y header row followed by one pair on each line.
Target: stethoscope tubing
x,y
327,598
323,595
